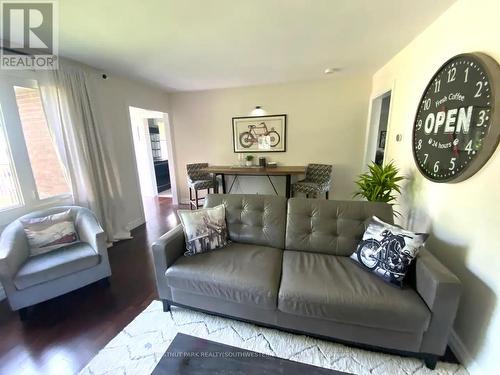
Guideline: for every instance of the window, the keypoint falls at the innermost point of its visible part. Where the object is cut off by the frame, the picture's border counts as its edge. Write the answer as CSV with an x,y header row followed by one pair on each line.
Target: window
x,y
31,171
47,169
9,191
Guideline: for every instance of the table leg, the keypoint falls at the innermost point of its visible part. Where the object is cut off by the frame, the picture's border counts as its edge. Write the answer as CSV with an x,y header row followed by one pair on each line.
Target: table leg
x,y
288,185
223,182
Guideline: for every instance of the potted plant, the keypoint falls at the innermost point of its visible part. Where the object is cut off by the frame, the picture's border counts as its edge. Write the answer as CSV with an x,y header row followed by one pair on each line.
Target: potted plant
x,y
249,161
379,184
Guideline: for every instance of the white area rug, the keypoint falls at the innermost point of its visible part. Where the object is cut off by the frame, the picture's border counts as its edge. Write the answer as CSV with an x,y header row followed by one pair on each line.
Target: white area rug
x,y
139,347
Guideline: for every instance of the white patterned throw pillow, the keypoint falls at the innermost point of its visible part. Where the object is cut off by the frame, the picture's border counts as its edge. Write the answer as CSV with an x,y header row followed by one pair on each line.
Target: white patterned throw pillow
x,y
49,232
205,229
388,250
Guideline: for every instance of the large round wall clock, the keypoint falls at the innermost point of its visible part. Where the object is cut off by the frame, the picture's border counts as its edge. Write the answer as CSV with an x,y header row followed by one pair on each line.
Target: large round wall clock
x,y
457,125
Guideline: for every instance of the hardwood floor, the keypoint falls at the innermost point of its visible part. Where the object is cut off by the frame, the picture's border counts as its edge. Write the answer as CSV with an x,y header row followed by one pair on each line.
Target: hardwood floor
x,y
64,334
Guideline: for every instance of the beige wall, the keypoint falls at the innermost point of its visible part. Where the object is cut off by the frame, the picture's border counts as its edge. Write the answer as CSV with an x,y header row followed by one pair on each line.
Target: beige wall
x,y
112,99
463,218
326,124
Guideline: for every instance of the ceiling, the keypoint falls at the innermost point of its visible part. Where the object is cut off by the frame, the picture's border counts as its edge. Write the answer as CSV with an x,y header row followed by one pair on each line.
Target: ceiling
x,y
206,44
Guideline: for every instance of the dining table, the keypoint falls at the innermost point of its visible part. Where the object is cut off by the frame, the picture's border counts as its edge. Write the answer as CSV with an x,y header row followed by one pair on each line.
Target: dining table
x,y
233,170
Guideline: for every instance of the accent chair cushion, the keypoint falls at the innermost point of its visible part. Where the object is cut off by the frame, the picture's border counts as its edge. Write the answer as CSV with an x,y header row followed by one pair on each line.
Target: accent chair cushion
x,y
240,273
48,233
333,287
204,229
55,264
388,250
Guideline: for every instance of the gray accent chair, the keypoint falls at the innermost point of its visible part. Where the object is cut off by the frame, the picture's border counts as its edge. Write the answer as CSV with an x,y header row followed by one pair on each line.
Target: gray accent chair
x,y
288,267
28,280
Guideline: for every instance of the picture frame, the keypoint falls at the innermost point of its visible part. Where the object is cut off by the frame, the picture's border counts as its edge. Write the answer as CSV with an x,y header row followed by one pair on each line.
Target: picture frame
x,y
259,134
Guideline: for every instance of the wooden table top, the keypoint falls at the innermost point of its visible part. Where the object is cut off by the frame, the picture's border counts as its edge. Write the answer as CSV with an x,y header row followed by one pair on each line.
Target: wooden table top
x,y
256,170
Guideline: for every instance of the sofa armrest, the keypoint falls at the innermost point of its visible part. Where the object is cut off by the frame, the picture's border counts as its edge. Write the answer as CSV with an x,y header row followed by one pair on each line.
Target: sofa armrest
x,y
90,231
166,251
440,289
14,250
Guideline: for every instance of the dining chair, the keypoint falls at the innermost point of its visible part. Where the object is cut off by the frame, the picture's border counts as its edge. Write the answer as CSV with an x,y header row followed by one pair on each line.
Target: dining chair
x,y
199,179
317,181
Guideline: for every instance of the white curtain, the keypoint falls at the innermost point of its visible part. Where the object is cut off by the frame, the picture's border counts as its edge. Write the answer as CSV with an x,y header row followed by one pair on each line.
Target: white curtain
x,y
67,99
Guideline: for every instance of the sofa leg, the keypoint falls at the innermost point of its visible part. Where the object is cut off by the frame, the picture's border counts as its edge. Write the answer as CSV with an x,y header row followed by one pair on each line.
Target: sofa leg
x,y
166,305
23,314
430,361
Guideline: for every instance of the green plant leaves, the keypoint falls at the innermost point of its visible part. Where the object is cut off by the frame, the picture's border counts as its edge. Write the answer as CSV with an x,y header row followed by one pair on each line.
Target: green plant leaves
x,y
379,184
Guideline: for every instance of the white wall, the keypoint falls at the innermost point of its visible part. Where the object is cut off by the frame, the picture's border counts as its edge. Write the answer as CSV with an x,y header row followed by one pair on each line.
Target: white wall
x,y
112,100
326,124
463,218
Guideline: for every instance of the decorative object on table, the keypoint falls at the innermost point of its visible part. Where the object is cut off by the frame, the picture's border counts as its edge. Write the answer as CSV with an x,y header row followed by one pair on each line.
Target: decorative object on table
x,y
457,125
51,232
199,179
379,184
204,229
241,160
317,181
387,250
272,164
249,160
262,161
383,135
259,134
28,280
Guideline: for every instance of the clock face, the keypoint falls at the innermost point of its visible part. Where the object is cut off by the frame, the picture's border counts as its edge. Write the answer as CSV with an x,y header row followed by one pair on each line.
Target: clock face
x,y
456,128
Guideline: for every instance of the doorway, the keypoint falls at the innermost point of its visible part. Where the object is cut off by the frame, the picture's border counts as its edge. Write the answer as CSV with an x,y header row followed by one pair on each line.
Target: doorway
x,y
377,135
153,149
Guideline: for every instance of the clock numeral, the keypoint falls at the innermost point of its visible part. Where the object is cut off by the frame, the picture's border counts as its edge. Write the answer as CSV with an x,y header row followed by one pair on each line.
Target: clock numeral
x,y
437,86
451,74
419,125
468,147
466,75
452,164
482,117
436,167
419,144
479,85
427,104
426,156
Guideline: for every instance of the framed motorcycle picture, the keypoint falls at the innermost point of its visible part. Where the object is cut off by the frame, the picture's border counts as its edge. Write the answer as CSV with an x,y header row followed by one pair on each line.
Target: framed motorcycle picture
x,y
259,134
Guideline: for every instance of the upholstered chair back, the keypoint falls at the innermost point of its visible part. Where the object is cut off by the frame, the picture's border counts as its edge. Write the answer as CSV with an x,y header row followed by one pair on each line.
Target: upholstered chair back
x,y
196,172
319,173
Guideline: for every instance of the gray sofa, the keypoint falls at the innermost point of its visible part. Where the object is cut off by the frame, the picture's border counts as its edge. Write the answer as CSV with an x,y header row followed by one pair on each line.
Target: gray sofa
x,y
30,280
288,267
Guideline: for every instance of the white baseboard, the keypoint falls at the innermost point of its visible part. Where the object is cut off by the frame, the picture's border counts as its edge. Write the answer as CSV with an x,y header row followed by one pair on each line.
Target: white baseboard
x,y
463,355
135,223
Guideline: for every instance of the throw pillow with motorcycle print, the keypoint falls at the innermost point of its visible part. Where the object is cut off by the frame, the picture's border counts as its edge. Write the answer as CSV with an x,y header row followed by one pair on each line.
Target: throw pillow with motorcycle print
x,y
387,250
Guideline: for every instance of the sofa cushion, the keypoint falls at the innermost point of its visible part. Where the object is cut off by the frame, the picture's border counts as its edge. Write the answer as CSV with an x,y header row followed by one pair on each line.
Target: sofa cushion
x,y
242,273
330,227
335,288
54,264
254,219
